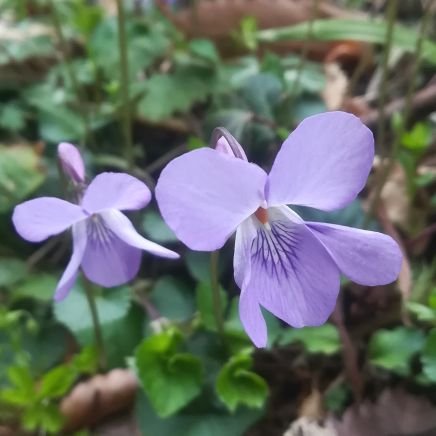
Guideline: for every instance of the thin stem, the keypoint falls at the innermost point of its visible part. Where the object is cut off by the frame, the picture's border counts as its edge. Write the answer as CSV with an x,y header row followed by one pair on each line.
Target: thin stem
x,y
304,53
70,71
217,309
124,69
98,335
385,170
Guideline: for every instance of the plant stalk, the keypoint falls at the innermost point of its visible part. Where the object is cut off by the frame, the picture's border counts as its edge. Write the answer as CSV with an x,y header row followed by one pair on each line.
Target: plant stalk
x,y
98,335
124,70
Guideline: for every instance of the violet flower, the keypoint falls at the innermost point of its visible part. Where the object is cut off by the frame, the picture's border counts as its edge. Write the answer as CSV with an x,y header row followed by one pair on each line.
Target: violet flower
x,y
281,263
105,244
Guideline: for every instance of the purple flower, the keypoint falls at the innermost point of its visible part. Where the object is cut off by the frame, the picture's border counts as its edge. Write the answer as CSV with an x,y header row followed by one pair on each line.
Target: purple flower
x,y
105,243
281,263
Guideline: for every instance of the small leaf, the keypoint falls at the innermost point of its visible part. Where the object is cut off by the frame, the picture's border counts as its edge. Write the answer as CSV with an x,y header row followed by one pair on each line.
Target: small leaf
x,y
392,350
422,312
238,385
20,174
428,356
205,49
173,298
38,286
170,379
323,339
57,382
11,270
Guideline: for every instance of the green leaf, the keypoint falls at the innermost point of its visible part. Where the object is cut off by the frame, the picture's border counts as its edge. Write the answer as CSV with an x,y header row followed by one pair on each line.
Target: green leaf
x,y
11,270
238,385
418,138
205,304
38,286
12,117
173,298
112,305
171,379
392,350
422,312
371,31
57,382
20,174
428,356
86,362
156,228
207,421
323,339
205,49
176,92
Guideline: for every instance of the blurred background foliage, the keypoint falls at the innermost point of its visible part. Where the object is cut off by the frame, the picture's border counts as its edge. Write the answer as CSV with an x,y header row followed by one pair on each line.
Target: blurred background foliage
x,y
257,68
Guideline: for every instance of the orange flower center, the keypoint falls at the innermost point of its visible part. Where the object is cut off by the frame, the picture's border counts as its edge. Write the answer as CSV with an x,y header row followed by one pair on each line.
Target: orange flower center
x,y
262,215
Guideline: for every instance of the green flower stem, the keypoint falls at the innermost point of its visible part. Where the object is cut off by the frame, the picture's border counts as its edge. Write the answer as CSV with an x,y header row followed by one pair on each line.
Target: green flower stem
x,y
70,72
98,335
217,309
124,69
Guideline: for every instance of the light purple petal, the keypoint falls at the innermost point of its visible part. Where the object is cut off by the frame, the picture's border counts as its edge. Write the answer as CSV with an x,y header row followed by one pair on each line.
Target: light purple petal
x,y
108,260
368,258
324,163
115,191
36,220
71,162
223,147
292,275
121,226
204,195
70,274
249,309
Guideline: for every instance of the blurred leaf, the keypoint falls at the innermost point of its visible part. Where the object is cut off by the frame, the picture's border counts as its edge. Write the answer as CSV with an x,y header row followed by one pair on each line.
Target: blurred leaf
x,y
418,138
238,385
205,304
422,312
156,228
202,423
20,174
112,305
12,117
323,339
428,356
336,398
173,298
11,271
57,382
171,379
205,49
392,350
176,92
86,362
38,286
371,31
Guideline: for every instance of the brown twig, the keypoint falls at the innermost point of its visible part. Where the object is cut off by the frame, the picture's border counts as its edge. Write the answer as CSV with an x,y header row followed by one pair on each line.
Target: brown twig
x,y
349,353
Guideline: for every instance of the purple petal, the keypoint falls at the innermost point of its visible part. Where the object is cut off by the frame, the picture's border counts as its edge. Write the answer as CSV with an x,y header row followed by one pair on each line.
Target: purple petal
x,y
108,260
291,273
36,220
204,195
71,162
324,163
368,258
121,226
70,274
224,147
115,191
249,309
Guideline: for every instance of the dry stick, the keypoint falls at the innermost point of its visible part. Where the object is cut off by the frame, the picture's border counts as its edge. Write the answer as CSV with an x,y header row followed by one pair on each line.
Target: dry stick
x,y
70,72
349,353
386,169
124,68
